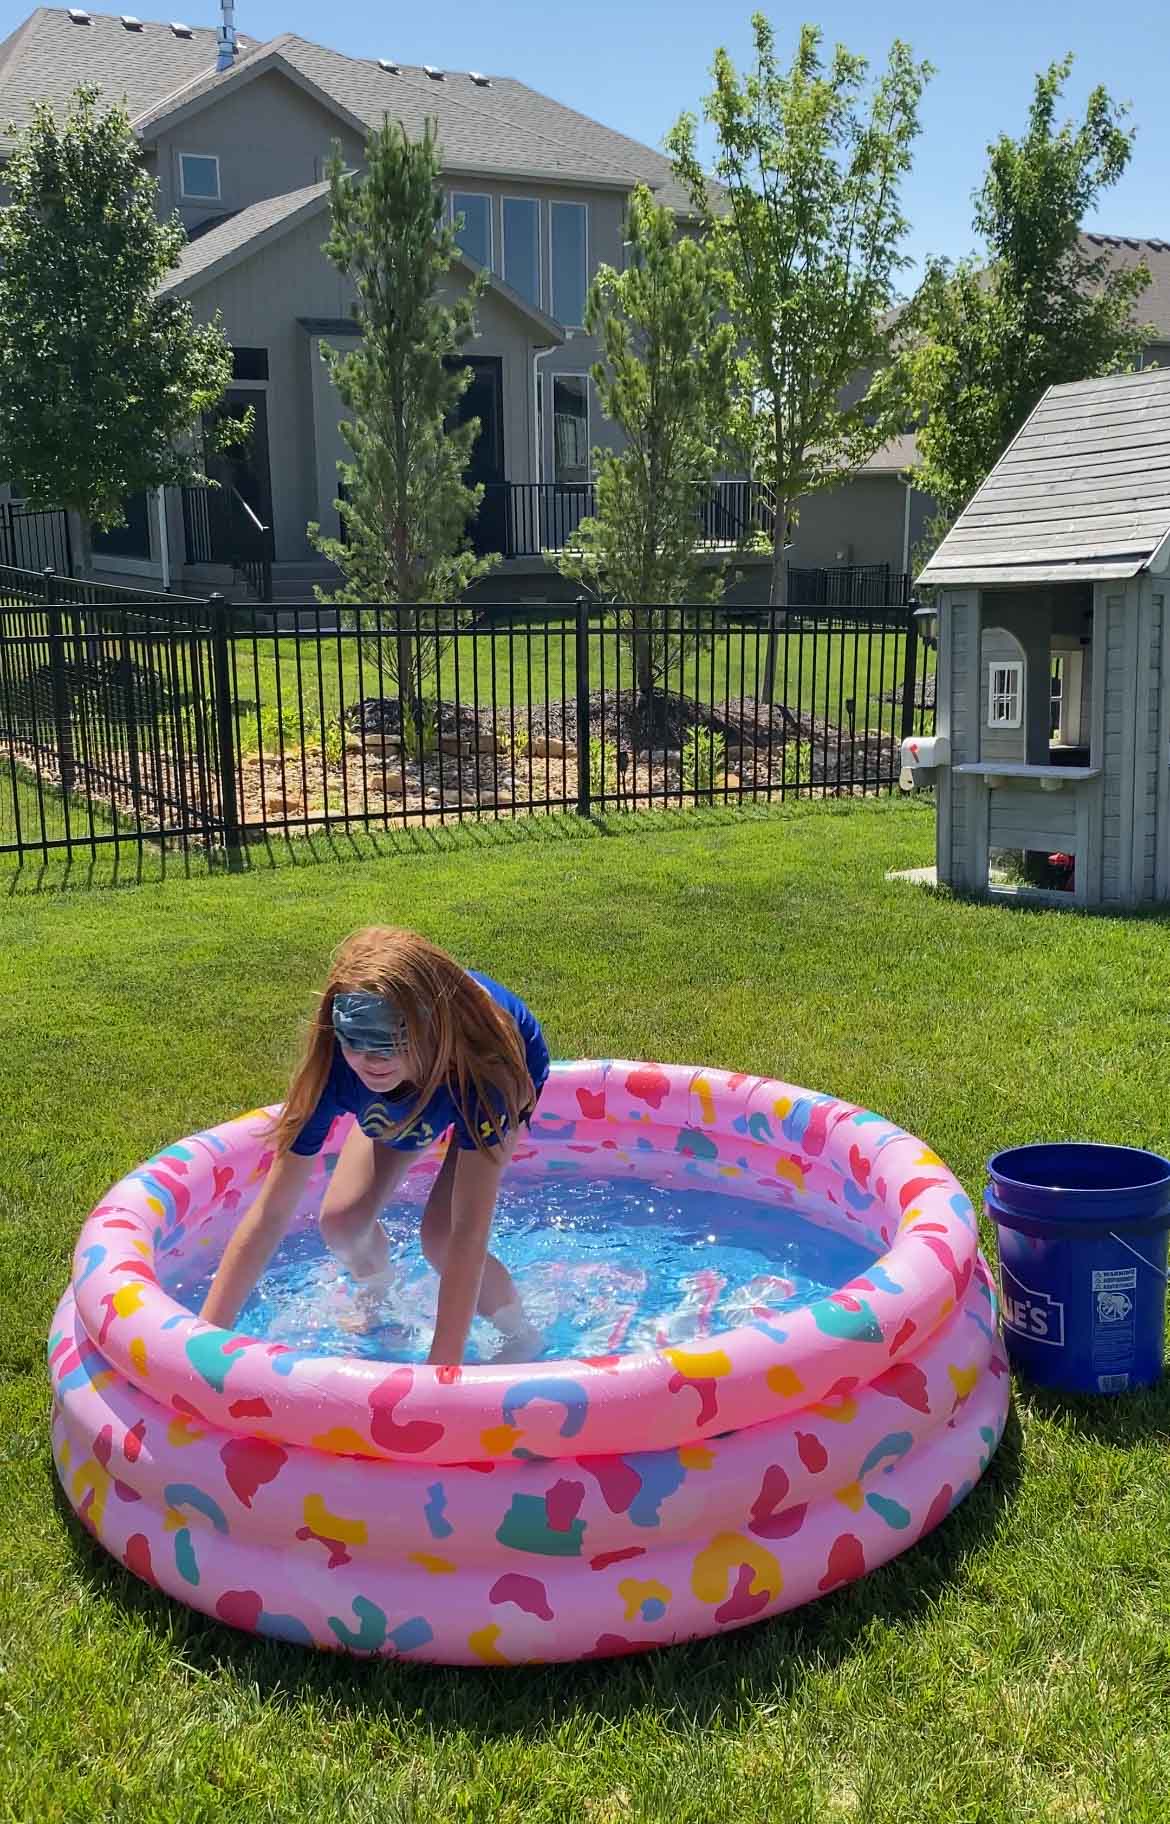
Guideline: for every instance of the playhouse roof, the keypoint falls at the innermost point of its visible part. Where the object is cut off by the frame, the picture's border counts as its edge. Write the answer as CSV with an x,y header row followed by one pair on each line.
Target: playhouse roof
x,y
1082,492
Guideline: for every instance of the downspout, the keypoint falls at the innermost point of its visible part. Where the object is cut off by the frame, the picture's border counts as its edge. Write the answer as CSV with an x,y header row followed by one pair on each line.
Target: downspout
x,y
538,355
164,543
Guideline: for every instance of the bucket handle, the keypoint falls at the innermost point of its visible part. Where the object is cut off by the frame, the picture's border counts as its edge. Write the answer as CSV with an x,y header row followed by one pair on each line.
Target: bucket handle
x,y
1141,1257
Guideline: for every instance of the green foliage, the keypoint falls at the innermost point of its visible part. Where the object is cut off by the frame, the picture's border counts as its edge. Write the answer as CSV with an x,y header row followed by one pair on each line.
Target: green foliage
x,y
407,507
704,758
985,339
665,378
281,729
807,223
101,379
603,765
420,729
333,742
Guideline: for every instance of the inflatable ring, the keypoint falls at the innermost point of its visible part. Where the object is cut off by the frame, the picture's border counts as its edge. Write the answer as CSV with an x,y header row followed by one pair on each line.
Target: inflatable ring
x,y
556,1510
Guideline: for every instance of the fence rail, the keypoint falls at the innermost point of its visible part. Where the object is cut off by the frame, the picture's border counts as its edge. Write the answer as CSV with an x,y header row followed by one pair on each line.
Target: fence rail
x,y
35,539
526,519
202,724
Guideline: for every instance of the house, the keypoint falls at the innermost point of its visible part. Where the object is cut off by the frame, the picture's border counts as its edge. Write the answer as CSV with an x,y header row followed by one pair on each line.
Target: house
x,y
878,516
1059,570
240,152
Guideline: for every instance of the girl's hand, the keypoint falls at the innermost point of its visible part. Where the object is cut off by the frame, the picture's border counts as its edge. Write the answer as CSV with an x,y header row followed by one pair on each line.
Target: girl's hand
x,y
256,1238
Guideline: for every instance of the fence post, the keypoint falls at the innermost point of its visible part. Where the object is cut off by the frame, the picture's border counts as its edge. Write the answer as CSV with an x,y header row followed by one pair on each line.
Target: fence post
x,y
59,687
225,741
583,794
909,675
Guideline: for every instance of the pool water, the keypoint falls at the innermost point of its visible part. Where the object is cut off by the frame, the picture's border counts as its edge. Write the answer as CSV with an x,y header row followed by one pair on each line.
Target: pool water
x,y
603,1267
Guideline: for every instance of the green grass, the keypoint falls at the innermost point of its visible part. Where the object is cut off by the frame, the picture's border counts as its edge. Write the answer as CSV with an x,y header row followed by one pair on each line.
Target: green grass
x,y
537,664
1015,1666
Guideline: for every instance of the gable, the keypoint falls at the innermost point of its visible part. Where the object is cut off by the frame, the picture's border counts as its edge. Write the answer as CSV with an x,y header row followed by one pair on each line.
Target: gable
x,y
1083,490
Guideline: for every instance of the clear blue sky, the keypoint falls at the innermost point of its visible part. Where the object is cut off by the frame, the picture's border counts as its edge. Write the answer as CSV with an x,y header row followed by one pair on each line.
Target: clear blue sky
x,y
635,64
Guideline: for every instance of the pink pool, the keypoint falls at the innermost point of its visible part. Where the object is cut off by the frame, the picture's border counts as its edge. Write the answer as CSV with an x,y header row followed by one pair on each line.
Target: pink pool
x,y
563,1509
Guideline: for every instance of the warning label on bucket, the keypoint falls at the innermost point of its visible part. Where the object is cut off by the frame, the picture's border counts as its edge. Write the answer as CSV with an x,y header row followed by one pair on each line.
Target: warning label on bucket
x,y
1119,1279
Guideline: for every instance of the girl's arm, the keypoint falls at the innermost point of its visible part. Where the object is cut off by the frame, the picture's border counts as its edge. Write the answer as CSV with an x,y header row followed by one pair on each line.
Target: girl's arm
x,y
473,1204
255,1240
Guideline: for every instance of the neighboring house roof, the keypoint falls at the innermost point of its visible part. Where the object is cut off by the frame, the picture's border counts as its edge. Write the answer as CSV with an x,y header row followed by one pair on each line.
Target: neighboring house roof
x,y
504,128
1083,491
1124,250
894,458
238,237
49,57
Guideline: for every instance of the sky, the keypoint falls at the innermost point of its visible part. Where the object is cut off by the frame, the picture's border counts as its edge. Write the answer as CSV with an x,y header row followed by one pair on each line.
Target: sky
x,y
636,64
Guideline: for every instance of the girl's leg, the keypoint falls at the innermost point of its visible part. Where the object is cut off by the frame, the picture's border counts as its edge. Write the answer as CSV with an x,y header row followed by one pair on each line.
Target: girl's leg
x,y
499,1301
363,1182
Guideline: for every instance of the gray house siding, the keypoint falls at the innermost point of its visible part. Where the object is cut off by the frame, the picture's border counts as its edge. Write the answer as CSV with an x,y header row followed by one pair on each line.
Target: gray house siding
x,y
302,406
269,137
861,522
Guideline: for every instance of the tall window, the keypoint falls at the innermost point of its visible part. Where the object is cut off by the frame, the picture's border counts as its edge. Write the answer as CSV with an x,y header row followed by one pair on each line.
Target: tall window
x,y
570,230
1005,695
570,428
522,246
474,233
199,177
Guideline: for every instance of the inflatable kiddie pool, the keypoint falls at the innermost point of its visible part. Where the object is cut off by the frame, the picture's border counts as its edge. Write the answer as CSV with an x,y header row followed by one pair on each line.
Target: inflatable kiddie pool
x,y
570,1509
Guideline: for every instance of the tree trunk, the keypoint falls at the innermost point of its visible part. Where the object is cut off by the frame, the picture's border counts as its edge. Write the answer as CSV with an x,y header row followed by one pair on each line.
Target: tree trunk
x,y
777,597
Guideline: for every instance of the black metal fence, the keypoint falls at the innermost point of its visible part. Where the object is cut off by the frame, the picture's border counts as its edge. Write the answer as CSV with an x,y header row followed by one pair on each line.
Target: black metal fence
x,y
163,721
33,539
528,518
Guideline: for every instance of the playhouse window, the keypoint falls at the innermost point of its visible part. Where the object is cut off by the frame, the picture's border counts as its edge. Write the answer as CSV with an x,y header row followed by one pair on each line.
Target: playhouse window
x,y
1005,695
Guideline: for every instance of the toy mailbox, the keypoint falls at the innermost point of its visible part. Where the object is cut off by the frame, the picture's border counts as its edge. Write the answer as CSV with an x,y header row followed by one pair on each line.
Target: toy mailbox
x,y
922,755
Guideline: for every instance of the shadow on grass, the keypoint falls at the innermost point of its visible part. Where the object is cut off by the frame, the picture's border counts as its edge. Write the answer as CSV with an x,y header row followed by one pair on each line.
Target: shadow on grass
x,y
134,864
1123,1422
697,1685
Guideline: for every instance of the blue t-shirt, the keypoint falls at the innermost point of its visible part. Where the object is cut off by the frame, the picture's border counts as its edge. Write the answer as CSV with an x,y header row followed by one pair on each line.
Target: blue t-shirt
x,y
378,1115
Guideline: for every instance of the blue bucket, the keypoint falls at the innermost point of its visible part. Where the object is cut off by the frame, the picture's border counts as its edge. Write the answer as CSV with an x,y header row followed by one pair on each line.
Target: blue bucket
x,y
1082,1250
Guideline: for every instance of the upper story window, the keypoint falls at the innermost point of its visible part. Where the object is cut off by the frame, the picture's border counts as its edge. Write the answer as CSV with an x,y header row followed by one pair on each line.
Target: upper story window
x,y
474,232
570,255
522,246
199,177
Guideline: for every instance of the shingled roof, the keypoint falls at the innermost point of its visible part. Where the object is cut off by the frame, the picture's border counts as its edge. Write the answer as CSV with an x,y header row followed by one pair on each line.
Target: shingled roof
x,y
1082,492
493,125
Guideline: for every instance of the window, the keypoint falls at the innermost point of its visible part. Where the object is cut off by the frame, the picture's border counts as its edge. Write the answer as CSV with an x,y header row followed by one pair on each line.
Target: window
x,y
199,177
569,262
522,246
570,429
1005,695
249,364
474,233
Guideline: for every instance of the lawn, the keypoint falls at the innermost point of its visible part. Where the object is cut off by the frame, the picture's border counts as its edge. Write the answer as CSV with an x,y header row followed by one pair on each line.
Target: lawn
x,y
1015,1666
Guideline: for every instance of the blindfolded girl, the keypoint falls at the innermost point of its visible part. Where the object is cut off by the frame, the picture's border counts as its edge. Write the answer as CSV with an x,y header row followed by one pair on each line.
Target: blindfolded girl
x,y
415,1047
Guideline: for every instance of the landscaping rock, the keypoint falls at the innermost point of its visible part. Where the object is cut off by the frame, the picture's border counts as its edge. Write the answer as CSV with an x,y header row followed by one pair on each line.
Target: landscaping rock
x,y
547,747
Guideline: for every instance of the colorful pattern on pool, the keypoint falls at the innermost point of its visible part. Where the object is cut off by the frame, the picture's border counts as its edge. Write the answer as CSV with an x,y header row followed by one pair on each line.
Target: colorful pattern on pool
x,y
575,1509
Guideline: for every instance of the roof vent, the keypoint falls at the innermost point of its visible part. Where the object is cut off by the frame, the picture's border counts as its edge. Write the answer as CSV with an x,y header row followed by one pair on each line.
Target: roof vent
x,y
479,79
78,15
131,23
180,30
391,68
434,74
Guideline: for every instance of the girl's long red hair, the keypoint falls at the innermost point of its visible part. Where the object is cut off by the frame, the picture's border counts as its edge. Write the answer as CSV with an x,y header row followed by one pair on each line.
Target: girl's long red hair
x,y
458,1034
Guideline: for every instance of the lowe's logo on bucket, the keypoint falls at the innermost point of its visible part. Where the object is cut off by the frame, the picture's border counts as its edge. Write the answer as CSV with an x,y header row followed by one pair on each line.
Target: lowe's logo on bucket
x,y
1031,1314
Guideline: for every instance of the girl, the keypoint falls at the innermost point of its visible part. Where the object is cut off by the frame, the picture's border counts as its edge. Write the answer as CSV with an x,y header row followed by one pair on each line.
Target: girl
x,y
414,1046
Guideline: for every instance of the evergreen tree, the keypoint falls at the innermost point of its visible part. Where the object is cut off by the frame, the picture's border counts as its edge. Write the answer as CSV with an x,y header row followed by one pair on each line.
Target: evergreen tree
x,y
406,507
665,378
